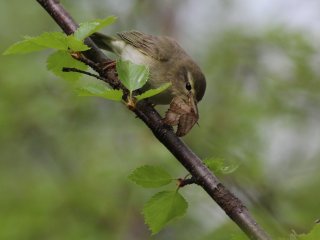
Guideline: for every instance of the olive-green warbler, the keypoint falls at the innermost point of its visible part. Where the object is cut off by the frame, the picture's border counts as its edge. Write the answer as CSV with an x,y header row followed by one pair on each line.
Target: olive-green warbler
x,y
167,62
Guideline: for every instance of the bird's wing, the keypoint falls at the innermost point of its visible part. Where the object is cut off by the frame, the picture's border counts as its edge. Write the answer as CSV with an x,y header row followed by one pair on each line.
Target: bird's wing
x,y
153,46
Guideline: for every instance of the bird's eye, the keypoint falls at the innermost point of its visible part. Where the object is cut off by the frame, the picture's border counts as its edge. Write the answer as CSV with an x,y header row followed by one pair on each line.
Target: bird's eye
x,y
188,86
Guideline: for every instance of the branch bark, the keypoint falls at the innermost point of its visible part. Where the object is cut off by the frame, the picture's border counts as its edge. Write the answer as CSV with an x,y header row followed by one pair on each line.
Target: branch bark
x,y
232,206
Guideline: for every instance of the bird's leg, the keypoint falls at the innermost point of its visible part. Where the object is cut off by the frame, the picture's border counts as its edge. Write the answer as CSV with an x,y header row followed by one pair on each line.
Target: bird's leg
x,y
106,70
108,65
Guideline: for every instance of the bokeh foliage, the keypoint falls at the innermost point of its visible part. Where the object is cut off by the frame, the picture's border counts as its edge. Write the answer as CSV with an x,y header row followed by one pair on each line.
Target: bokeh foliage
x,y
64,159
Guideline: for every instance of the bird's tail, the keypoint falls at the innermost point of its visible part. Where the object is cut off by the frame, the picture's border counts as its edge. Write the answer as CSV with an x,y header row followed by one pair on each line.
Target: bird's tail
x,y
103,41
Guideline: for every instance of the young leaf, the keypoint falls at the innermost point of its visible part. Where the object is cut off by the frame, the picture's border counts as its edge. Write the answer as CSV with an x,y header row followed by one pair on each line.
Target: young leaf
x,y
152,92
150,176
60,41
54,40
100,91
24,46
87,28
220,166
162,208
60,59
75,44
132,76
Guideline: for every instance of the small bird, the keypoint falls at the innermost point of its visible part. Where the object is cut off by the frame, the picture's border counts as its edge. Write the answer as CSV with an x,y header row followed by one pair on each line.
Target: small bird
x,y
167,62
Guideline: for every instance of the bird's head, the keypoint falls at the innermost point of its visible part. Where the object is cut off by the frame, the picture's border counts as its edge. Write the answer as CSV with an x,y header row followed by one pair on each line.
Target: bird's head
x,y
189,84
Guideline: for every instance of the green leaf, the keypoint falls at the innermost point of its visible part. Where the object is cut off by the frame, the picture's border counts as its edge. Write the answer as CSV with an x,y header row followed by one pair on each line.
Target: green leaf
x,y
100,91
152,92
87,28
75,44
54,40
220,166
60,59
150,176
313,235
132,76
24,46
162,208
60,41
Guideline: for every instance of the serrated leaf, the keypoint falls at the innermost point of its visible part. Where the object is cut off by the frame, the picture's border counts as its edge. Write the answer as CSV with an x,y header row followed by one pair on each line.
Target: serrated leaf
x,y
162,208
132,76
220,166
87,28
150,176
152,92
60,41
75,44
22,47
100,91
54,40
61,59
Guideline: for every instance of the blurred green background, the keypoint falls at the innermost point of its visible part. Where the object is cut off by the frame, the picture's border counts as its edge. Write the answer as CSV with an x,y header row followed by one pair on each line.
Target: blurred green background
x,y
64,159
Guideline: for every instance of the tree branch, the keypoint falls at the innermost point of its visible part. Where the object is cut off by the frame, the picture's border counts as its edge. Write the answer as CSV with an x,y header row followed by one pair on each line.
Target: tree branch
x,y
233,207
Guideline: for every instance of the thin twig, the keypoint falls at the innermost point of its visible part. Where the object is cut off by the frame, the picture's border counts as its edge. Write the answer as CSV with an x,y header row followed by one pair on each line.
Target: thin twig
x,y
186,181
67,69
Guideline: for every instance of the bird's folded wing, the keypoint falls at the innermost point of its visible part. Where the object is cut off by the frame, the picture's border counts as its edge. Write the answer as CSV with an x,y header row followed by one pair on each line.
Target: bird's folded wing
x,y
152,46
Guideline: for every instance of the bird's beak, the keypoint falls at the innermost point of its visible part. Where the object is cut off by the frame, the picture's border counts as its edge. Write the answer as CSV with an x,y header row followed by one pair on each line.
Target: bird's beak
x,y
193,103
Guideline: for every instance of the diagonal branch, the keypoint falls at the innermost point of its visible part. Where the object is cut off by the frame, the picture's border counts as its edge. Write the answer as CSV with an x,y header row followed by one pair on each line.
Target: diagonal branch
x,y
232,206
